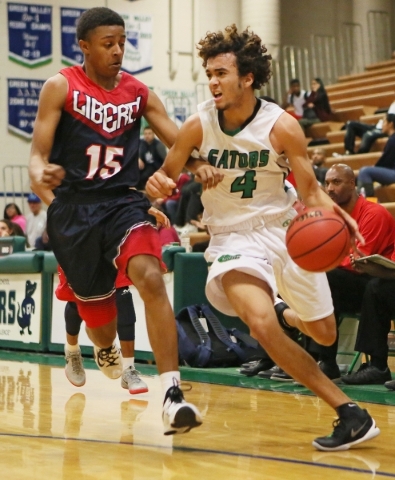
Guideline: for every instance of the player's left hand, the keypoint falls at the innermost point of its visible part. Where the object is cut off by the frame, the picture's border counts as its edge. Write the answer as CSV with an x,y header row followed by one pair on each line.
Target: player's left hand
x,y
209,176
160,217
352,225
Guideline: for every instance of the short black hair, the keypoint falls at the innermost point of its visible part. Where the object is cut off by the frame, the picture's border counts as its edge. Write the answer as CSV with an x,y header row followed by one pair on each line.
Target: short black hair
x,y
97,17
294,81
391,118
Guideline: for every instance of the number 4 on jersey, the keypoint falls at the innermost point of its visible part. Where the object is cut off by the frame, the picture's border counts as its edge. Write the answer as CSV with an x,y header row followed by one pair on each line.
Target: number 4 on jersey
x,y
245,184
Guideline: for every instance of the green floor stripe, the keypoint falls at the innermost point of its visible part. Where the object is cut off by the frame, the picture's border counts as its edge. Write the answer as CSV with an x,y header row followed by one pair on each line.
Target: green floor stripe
x,y
220,376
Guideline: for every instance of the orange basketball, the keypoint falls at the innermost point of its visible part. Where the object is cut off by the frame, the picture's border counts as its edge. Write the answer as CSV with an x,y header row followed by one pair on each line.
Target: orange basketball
x,y
318,240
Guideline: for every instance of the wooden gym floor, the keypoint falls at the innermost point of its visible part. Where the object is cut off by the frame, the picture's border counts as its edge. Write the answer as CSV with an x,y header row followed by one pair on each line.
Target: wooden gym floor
x,y
52,430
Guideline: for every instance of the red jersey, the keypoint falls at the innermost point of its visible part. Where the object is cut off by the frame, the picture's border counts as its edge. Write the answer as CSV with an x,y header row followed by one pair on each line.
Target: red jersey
x,y
97,139
377,226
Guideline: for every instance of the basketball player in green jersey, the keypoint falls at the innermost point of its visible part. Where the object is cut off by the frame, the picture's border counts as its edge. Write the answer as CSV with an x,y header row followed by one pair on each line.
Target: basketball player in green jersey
x,y
245,145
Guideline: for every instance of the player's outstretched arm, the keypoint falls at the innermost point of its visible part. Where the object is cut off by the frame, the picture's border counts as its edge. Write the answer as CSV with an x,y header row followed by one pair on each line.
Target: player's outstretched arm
x,y
163,181
44,177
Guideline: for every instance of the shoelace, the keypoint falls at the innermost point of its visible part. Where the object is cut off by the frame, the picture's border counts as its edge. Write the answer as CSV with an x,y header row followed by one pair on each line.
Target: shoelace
x,y
176,391
109,356
338,427
76,363
133,375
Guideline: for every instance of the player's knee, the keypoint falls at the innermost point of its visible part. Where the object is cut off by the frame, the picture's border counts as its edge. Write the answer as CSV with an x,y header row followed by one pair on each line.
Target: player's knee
x,y
323,332
262,329
150,285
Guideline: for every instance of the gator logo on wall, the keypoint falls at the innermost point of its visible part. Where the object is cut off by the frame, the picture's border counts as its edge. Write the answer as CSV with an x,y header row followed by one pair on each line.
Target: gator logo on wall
x,y
25,312
226,258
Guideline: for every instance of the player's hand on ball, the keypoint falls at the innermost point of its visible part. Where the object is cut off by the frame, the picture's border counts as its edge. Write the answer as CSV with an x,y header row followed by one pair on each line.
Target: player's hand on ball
x,y
53,175
160,217
352,225
209,176
159,185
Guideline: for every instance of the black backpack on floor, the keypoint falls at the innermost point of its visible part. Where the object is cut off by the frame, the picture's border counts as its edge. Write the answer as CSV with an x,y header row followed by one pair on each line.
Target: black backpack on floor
x,y
219,347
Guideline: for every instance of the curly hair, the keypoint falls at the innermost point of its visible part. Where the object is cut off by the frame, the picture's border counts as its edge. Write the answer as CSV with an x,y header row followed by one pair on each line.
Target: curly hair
x,y
246,46
97,17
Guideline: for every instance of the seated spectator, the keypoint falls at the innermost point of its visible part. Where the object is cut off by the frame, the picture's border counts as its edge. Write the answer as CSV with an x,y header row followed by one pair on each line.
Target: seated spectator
x,y
316,108
377,310
42,242
189,207
152,154
294,98
318,161
169,204
383,171
10,229
201,227
13,212
347,286
36,219
368,134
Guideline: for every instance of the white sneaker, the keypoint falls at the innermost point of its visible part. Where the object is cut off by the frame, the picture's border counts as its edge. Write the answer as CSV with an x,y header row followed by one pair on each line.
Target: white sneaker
x,y
186,229
74,368
178,415
109,361
132,382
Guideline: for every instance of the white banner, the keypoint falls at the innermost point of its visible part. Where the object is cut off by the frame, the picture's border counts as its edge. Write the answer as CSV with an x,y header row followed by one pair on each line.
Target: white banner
x,y
20,307
138,48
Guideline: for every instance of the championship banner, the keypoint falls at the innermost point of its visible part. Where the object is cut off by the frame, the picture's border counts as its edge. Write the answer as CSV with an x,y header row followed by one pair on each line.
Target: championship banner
x,y
22,105
138,47
20,307
71,52
29,34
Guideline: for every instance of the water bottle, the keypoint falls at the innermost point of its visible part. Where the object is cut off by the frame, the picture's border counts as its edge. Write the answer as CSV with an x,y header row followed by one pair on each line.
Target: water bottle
x,y
186,243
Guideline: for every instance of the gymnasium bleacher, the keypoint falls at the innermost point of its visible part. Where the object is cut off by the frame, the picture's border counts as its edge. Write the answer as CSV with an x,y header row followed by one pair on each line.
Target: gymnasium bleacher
x,y
358,97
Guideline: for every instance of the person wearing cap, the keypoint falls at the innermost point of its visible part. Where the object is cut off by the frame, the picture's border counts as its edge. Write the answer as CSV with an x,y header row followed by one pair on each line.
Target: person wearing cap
x,y
36,219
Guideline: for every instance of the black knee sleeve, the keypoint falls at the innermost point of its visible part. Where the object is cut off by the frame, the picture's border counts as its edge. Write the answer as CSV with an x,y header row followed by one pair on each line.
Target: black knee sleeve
x,y
126,314
72,319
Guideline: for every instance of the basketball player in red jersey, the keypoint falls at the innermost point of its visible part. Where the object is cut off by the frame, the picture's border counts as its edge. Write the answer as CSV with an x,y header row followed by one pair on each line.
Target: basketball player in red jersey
x,y
84,165
249,140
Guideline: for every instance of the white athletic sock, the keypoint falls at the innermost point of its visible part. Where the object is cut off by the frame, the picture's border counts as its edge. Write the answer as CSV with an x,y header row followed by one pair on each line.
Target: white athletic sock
x,y
167,380
127,362
72,348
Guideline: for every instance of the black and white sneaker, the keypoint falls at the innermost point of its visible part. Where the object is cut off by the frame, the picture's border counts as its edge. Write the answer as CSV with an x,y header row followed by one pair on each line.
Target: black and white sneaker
x,y
358,426
390,385
109,361
368,375
178,415
253,368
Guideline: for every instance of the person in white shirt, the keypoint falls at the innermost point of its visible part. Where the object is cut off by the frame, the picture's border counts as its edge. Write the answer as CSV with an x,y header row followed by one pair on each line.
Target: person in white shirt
x,y
368,134
295,98
36,220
